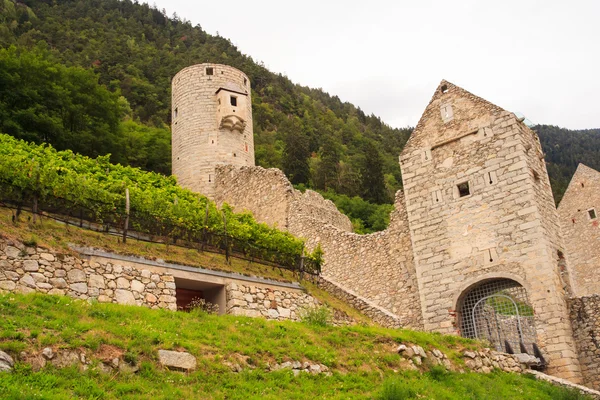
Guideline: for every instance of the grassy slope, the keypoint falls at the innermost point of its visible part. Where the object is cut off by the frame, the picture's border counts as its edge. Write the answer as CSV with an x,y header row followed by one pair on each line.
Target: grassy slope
x,y
362,359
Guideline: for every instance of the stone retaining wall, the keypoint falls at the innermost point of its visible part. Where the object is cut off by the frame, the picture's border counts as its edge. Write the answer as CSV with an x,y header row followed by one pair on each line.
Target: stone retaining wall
x,y
271,303
585,318
377,314
27,269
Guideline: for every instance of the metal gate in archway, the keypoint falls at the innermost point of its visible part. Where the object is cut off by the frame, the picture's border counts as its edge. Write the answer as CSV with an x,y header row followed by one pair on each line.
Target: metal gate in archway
x,y
499,312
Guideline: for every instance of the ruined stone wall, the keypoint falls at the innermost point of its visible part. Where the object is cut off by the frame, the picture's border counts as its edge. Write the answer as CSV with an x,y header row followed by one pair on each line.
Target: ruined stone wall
x,y
377,267
199,140
271,303
27,269
585,318
501,228
581,232
272,199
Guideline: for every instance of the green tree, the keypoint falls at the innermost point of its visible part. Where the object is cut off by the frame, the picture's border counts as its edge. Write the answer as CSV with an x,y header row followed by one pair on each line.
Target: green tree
x,y
46,102
373,183
296,154
328,168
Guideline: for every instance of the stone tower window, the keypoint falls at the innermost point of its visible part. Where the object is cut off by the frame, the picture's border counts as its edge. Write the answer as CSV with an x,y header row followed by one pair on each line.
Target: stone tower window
x,y
245,82
210,177
210,71
463,189
246,146
447,113
175,113
444,89
592,213
233,101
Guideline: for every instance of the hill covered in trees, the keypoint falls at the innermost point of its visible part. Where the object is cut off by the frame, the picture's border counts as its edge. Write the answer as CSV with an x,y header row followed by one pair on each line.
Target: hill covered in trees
x,y
134,50
94,76
564,149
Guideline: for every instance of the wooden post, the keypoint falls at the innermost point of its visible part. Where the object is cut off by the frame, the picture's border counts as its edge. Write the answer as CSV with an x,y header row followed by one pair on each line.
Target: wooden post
x,y
35,208
226,239
126,226
205,229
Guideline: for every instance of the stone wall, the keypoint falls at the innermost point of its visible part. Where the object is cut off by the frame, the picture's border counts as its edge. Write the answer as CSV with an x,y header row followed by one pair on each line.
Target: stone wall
x,y
585,318
502,227
271,303
377,267
272,199
581,232
27,269
378,314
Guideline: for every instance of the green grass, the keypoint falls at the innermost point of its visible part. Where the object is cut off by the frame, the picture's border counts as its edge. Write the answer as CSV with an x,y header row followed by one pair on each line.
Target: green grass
x,y
362,359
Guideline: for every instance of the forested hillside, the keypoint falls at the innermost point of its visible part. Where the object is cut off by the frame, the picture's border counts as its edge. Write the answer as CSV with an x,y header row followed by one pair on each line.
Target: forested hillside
x,y
134,50
564,150
94,76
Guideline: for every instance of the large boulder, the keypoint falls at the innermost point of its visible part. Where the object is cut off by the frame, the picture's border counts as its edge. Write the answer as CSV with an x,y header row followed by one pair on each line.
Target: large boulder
x,y
177,360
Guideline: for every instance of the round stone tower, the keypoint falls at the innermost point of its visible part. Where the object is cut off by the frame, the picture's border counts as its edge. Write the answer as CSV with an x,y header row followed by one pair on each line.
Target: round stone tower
x,y
211,124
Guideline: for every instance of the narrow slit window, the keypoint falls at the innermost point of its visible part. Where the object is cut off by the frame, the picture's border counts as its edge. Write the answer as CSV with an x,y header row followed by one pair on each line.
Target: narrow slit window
x,y
245,81
463,189
233,101
209,177
210,71
592,213
175,112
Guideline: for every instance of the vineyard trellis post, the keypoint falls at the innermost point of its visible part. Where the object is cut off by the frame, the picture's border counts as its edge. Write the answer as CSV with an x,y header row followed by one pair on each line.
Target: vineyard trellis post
x,y
226,241
205,228
126,225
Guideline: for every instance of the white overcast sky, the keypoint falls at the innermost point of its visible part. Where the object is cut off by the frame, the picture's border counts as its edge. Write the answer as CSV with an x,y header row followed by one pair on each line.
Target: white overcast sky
x,y
540,58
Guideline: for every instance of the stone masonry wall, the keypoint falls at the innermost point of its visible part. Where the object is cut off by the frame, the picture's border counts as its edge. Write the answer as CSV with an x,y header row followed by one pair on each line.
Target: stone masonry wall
x,y
502,228
272,199
271,303
581,232
27,269
585,318
377,267
199,143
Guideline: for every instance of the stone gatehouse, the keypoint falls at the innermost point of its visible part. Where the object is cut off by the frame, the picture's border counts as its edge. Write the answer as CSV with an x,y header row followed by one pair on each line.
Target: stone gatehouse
x,y
474,246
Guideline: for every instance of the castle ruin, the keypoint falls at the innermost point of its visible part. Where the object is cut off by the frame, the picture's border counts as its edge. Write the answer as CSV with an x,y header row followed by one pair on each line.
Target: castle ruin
x,y
474,247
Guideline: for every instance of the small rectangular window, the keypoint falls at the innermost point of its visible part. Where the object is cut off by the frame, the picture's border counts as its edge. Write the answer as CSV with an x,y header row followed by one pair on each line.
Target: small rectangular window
x,y
245,81
233,100
592,213
209,177
209,71
175,113
463,189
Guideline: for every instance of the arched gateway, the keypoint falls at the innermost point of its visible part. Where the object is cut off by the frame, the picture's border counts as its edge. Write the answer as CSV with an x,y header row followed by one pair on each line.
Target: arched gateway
x,y
499,312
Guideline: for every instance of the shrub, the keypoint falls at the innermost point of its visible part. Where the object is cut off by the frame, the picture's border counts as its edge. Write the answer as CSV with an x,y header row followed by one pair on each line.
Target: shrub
x,y
316,316
199,305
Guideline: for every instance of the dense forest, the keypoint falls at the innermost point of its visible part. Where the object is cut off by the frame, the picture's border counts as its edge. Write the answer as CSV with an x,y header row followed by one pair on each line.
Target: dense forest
x,y
564,149
93,76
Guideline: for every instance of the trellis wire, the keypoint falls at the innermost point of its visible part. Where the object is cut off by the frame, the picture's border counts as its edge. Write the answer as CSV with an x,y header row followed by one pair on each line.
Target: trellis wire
x,y
145,227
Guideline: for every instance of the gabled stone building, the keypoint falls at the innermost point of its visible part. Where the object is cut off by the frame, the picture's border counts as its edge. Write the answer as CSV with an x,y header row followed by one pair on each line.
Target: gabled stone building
x,y
474,245
579,219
